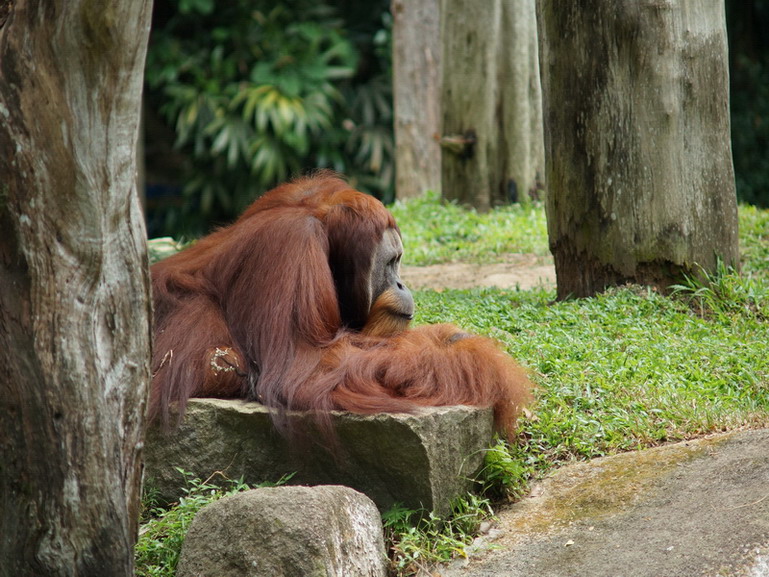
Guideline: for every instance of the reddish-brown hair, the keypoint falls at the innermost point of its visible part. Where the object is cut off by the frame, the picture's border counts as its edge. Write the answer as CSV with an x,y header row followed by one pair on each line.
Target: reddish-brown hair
x,y
275,308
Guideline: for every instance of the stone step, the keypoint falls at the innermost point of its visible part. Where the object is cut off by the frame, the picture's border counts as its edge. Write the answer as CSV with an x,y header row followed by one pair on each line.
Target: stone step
x,y
420,460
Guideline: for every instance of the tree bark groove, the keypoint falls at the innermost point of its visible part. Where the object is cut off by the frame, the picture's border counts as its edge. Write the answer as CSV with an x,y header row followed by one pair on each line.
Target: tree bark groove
x,y
416,94
492,142
74,287
639,166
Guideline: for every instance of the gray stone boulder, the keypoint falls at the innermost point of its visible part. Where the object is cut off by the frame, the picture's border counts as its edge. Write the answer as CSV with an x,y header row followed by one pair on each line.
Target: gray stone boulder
x,y
286,532
419,460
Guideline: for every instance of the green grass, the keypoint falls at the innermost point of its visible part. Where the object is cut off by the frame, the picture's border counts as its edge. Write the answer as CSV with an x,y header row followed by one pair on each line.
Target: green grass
x,y
624,370
417,540
435,232
163,529
754,241
724,292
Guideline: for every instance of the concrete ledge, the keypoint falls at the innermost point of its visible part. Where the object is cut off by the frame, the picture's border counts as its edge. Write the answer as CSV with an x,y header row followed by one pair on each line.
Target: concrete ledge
x,y
419,460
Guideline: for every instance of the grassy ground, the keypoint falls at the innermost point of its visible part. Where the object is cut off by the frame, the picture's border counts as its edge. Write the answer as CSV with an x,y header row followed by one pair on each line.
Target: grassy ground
x,y
627,369
624,370
434,232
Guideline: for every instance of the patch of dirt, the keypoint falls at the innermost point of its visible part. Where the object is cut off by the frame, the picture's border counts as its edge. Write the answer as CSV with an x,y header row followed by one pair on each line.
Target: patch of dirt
x,y
523,271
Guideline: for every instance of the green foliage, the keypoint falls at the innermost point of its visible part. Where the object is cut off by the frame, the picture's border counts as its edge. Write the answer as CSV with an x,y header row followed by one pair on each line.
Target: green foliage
x,y
163,529
507,471
417,539
257,92
724,293
754,241
747,21
163,247
750,127
370,144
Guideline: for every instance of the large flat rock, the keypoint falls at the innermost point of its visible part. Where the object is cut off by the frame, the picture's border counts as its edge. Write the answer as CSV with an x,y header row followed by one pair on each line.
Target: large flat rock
x,y
418,460
693,509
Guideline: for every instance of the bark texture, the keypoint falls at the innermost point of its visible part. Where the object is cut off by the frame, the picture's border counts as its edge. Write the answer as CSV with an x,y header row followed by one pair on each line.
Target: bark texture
x,y
492,141
416,93
639,166
74,286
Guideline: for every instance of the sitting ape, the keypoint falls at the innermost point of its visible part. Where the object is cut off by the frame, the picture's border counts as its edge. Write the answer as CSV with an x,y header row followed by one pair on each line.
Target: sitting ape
x,y
299,305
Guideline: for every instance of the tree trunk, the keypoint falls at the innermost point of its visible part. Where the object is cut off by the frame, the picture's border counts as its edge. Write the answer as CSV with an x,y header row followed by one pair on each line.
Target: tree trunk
x,y
416,93
492,142
74,286
639,165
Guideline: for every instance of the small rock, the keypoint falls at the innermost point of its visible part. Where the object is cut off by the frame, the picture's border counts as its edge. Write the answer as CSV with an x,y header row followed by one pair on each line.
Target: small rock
x,y
286,532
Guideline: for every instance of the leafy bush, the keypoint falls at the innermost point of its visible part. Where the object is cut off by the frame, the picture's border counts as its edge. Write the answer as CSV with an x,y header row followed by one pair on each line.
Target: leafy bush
x,y
163,247
750,129
506,471
747,21
257,92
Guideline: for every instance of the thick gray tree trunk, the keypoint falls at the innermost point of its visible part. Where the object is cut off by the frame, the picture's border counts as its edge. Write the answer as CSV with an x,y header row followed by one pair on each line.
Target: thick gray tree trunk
x,y
416,94
492,142
74,286
639,166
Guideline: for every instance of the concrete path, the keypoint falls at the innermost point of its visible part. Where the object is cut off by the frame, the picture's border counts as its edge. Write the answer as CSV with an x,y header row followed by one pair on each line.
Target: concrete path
x,y
693,509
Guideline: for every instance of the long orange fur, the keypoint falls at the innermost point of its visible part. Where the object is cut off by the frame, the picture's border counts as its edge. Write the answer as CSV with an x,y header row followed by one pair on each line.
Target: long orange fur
x,y
253,311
